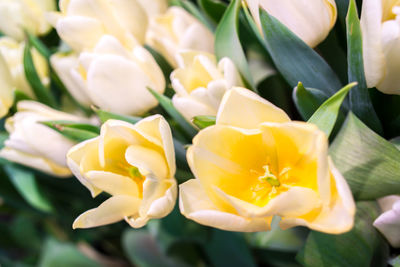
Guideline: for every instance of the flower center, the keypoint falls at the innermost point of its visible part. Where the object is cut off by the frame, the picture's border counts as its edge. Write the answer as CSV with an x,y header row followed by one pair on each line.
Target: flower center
x,y
269,177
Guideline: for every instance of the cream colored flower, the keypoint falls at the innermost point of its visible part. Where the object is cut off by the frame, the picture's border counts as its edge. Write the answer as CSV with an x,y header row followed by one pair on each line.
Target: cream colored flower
x,y
380,25
176,30
112,77
200,82
256,163
17,15
311,20
154,7
35,145
388,223
81,23
7,88
13,53
135,164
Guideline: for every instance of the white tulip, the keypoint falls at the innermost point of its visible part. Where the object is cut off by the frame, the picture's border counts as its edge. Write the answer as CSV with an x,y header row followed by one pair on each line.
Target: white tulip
x,y
35,145
112,77
176,30
311,20
200,83
7,88
380,26
388,223
17,15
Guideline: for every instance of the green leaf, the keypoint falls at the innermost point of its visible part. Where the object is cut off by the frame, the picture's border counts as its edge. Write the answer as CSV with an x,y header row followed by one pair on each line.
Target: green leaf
x,y
355,248
214,9
166,103
204,121
228,249
326,115
143,250
42,93
39,45
162,62
360,101
294,59
25,183
308,100
105,116
395,262
77,132
370,164
396,142
60,254
193,9
227,42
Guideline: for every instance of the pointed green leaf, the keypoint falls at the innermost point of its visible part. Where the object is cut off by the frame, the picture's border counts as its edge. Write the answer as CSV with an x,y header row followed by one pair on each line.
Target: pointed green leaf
x,y
42,93
227,42
295,60
193,9
25,183
326,115
166,103
308,100
214,9
105,116
204,121
74,131
39,45
370,164
359,247
360,101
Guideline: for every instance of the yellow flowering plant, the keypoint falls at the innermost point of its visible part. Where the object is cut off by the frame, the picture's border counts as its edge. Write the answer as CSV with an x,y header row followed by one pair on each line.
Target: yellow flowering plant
x,y
199,133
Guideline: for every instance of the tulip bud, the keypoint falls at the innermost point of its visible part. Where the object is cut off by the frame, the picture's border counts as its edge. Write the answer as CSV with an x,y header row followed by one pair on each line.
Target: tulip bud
x,y
18,15
81,23
200,83
35,145
388,223
135,164
310,20
112,77
176,30
380,25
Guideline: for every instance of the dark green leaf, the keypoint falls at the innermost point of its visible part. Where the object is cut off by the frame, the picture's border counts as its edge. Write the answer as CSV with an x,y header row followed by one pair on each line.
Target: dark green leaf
x,y
204,121
326,115
193,9
396,142
295,60
25,183
308,100
355,248
370,164
227,42
77,132
60,254
166,103
214,9
42,93
360,101
105,116
38,45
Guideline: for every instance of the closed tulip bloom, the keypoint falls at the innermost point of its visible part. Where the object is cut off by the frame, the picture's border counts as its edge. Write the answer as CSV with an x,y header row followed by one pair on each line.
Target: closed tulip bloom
x,y
380,25
176,30
18,15
13,54
256,163
388,223
112,77
135,164
35,145
310,20
7,88
200,82
81,23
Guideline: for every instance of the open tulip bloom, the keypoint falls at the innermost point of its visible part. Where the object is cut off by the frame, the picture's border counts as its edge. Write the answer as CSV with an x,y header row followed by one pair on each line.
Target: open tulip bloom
x,y
200,133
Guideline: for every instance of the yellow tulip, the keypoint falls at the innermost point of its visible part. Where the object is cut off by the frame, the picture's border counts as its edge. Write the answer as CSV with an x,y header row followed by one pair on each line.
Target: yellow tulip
x,y
175,30
7,88
310,20
13,54
381,44
35,145
19,15
200,82
135,164
256,163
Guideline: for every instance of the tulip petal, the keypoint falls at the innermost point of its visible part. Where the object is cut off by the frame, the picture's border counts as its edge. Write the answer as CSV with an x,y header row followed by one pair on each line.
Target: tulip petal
x,y
195,204
7,87
242,108
388,223
147,160
112,210
386,203
190,107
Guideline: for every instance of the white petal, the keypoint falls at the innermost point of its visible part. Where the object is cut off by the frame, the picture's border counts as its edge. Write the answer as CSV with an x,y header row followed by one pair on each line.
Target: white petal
x,y
388,223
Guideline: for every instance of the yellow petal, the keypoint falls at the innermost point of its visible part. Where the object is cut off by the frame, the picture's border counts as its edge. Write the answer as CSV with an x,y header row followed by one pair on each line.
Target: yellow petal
x,y
7,87
242,108
148,161
112,210
112,183
195,204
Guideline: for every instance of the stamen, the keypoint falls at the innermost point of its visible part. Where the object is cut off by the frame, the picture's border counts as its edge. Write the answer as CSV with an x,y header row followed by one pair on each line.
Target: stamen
x,y
269,177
